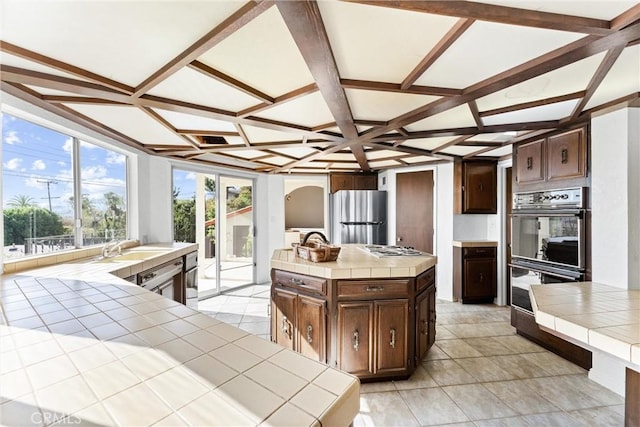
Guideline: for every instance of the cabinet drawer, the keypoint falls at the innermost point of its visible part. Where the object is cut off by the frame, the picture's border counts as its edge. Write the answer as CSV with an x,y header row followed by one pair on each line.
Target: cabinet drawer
x,y
301,282
479,252
374,289
425,279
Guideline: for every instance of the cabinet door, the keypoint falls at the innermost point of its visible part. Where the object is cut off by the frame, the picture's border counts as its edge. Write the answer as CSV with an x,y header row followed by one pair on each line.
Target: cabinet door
x,y
392,319
566,155
479,278
283,311
366,182
480,187
530,162
431,292
341,181
422,325
311,325
355,327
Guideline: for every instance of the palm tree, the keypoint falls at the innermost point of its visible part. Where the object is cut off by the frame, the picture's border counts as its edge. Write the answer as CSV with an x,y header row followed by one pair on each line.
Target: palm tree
x,y
21,201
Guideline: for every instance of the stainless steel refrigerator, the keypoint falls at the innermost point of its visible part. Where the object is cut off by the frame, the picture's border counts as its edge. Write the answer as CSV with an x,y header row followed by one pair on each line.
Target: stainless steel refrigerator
x,y
359,216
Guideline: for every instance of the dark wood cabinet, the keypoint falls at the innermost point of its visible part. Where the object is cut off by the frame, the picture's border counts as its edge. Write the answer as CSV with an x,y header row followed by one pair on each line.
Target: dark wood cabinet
x,y
476,187
373,328
561,157
352,181
474,274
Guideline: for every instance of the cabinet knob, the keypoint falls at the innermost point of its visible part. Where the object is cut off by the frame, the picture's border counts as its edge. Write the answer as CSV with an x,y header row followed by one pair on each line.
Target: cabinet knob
x,y
285,326
392,343
309,332
564,156
399,239
356,340
426,327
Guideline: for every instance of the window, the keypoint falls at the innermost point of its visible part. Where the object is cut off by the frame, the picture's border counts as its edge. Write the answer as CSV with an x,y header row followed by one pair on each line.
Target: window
x,y
41,197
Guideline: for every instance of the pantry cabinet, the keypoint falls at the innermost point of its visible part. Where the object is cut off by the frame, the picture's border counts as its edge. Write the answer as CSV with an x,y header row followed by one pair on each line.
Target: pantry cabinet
x,y
475,187
474,274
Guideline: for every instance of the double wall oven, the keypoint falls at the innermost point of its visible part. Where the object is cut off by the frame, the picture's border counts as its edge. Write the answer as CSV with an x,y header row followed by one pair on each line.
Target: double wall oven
x,y
548,240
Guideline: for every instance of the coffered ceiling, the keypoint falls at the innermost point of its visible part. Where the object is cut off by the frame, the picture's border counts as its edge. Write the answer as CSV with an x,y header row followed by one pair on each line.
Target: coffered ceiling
x,y
313,87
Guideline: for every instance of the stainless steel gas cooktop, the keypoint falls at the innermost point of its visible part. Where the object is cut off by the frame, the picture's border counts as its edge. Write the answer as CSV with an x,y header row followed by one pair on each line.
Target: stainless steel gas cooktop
x,y
385,251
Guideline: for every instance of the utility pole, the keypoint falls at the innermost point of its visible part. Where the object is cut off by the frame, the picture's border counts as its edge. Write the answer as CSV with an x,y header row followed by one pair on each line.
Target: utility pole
x,y
49,182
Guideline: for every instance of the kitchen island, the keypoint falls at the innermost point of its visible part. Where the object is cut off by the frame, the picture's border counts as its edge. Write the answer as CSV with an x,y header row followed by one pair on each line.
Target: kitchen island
x,y
370,315
82,346
600,318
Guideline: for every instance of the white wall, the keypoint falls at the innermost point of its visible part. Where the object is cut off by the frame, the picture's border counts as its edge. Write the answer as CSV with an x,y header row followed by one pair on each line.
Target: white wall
x,y
615,193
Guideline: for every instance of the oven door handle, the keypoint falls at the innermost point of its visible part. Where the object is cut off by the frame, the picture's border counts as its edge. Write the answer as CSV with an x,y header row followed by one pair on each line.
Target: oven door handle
x,y
548,273
572,212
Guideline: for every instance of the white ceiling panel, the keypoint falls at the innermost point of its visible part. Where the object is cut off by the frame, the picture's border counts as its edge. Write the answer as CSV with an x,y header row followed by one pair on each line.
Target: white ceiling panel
x,y
365,39
234,140
118,40
499,152
460,150
216,158
588,9
372,155
245,154
454,118
297,152
500,136
572,78
315,165
556,111
192,86
339,156
345,166
257,135
191,122
132,122
14,61
276,160
310,110
263,55
53,92
623,78
372,105
385,164
419,159
428,143
486,49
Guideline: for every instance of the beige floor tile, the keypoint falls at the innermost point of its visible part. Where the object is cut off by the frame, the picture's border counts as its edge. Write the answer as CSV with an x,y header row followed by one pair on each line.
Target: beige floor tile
x,y
377,387
440,409
448,372
564,395
593,389
477,402
384,409
435,353
519,397
603,416
519,344
481,329
484,370
519,366
443,333
553,363
199,413
503,422
176,387
136,406
457,348
489,346
419,379
552,419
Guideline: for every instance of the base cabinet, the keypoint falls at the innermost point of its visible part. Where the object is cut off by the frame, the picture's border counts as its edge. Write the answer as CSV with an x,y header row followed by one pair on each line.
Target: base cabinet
x,y
475,274
373,328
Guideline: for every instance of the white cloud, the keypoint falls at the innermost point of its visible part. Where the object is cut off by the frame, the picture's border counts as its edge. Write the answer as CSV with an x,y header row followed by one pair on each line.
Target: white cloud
x,y
61,163
35,181
114,158
38,165
13,164
93,172
190,175
12,138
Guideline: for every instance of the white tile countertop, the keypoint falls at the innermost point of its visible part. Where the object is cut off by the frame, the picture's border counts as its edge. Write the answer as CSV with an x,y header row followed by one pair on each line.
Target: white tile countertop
x,y
79,344
602,317
354,263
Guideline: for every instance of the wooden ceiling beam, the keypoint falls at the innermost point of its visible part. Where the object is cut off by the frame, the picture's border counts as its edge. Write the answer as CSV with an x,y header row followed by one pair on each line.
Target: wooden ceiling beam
x,y
410,150
626,18
199,132
243,134
63,66
483,150
395,87
533,104
313,156
603,69
452,35
240,18
324,126
228,80
297,93
64,99
452,143
473,107
304,21
158,118
500,14
553,60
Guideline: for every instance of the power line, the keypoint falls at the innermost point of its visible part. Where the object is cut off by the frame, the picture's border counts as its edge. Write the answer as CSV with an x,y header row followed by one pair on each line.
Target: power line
x,y
49,182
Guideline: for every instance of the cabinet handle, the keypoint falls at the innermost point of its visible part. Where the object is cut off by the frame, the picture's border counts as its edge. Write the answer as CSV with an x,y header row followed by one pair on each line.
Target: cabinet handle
x,y
356,340
529,162
309,331
564,156
392,343
481,186
481,277
426,327
285,326
297,282
374,288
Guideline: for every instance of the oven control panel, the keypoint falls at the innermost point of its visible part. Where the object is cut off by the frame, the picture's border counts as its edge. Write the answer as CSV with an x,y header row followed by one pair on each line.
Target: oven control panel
x,y
562,198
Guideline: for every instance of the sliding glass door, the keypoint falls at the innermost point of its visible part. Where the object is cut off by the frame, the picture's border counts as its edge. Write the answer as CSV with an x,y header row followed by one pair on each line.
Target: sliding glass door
x,y
216,211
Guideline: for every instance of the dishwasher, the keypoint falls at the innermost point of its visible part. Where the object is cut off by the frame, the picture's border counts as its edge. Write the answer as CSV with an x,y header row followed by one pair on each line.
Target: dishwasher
x,y
165,280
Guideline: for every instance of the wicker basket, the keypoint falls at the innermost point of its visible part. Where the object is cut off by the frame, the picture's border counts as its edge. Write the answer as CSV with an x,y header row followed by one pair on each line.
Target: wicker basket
x,y
317,252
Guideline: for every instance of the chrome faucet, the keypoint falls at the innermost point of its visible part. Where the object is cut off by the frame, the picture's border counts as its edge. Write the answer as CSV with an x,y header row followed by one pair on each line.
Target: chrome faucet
x,y
114,246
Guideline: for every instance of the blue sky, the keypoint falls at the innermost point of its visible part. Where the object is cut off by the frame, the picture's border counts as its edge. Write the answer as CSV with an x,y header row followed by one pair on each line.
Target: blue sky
x,y
33,155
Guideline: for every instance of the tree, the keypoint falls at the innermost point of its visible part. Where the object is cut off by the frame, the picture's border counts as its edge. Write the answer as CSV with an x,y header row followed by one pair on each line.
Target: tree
x,y
184,218
115,216
19,224
241,200
21,201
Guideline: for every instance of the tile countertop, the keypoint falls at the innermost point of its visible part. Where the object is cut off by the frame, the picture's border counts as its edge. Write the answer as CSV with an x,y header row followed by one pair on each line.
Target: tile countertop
x,y
354,263
602,317
475,243
77,342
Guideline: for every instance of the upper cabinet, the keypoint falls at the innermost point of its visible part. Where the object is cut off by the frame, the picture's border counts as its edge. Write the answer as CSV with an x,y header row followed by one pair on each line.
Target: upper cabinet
x,y
475,187
556,158
353,181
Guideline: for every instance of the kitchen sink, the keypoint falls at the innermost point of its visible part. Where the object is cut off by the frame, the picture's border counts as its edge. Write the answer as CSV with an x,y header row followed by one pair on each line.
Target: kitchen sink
x,y
132,256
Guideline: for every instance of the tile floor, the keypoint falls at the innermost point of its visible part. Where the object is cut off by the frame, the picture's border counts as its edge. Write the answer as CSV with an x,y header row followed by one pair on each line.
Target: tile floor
x,y
478,373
